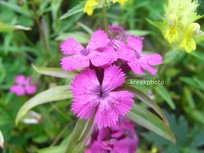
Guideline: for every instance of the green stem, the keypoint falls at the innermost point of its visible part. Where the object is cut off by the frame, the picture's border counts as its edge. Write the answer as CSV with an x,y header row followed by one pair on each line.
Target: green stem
x,y
41,32
105,21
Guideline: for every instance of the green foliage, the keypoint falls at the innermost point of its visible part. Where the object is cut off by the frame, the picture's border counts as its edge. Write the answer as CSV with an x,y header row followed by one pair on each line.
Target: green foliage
x,y
188,140
30,34
148,120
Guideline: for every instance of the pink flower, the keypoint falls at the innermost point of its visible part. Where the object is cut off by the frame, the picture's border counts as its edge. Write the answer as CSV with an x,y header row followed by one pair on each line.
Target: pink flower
x,y
80,57
23,86
95,91
105,140
132,53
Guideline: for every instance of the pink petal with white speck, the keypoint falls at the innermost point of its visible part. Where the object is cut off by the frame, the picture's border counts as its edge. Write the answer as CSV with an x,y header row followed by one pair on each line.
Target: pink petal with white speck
x,y
85,106
112,106
71,46
98,40
113,78
136,43
145,62
124,52
85,83
136,67
152,59
74,62
99,58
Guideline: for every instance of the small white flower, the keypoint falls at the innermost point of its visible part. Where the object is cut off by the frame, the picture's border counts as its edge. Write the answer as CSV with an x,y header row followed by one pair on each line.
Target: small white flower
x,y
1,140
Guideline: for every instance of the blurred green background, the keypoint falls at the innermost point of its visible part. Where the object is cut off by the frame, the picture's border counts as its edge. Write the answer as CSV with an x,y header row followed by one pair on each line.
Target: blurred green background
x,y
181,97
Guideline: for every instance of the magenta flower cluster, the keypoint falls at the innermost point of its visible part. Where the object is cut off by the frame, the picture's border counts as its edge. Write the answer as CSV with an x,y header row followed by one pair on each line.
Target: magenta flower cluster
x,y
23,86
120,138
105,62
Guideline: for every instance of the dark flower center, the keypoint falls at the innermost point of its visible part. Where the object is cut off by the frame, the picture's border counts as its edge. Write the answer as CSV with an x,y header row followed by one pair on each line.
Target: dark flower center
x,y
102,94
85,52
137,55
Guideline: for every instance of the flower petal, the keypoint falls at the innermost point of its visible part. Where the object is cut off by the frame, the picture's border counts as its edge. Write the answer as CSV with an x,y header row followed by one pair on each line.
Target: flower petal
x,y
31,89
124,52
18,90
125,145
74,62
20,79
98,40
136,67
84,106
86,83
145,63
97,147
135,43
86,90
149,68
103,58
71,46
112,106
152,59
113,78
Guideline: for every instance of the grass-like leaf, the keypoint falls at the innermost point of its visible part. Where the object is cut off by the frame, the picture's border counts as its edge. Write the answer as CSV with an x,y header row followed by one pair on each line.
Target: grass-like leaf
x,y
77,9
55,72
80,135
145,99
50,95
161,90
150,121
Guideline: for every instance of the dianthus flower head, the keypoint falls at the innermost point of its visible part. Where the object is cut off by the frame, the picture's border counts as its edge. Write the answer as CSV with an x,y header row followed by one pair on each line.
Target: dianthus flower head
x,y
121,138
178,24
95,52
96,92
138,62
23,86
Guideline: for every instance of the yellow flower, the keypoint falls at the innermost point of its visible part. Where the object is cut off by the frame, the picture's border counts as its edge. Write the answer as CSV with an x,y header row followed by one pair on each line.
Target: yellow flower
x,y
178,24
172,33
188,42
90,6
122,2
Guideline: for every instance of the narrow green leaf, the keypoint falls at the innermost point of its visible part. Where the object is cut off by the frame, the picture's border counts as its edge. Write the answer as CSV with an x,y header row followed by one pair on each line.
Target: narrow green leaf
x,y
197,115
198,55
159,25
79,36
144,98
4,27
138,32
188,98
150,121
50,95
80,135
17,8
55,149
55,72
199,83
77,9
86,28
164,94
